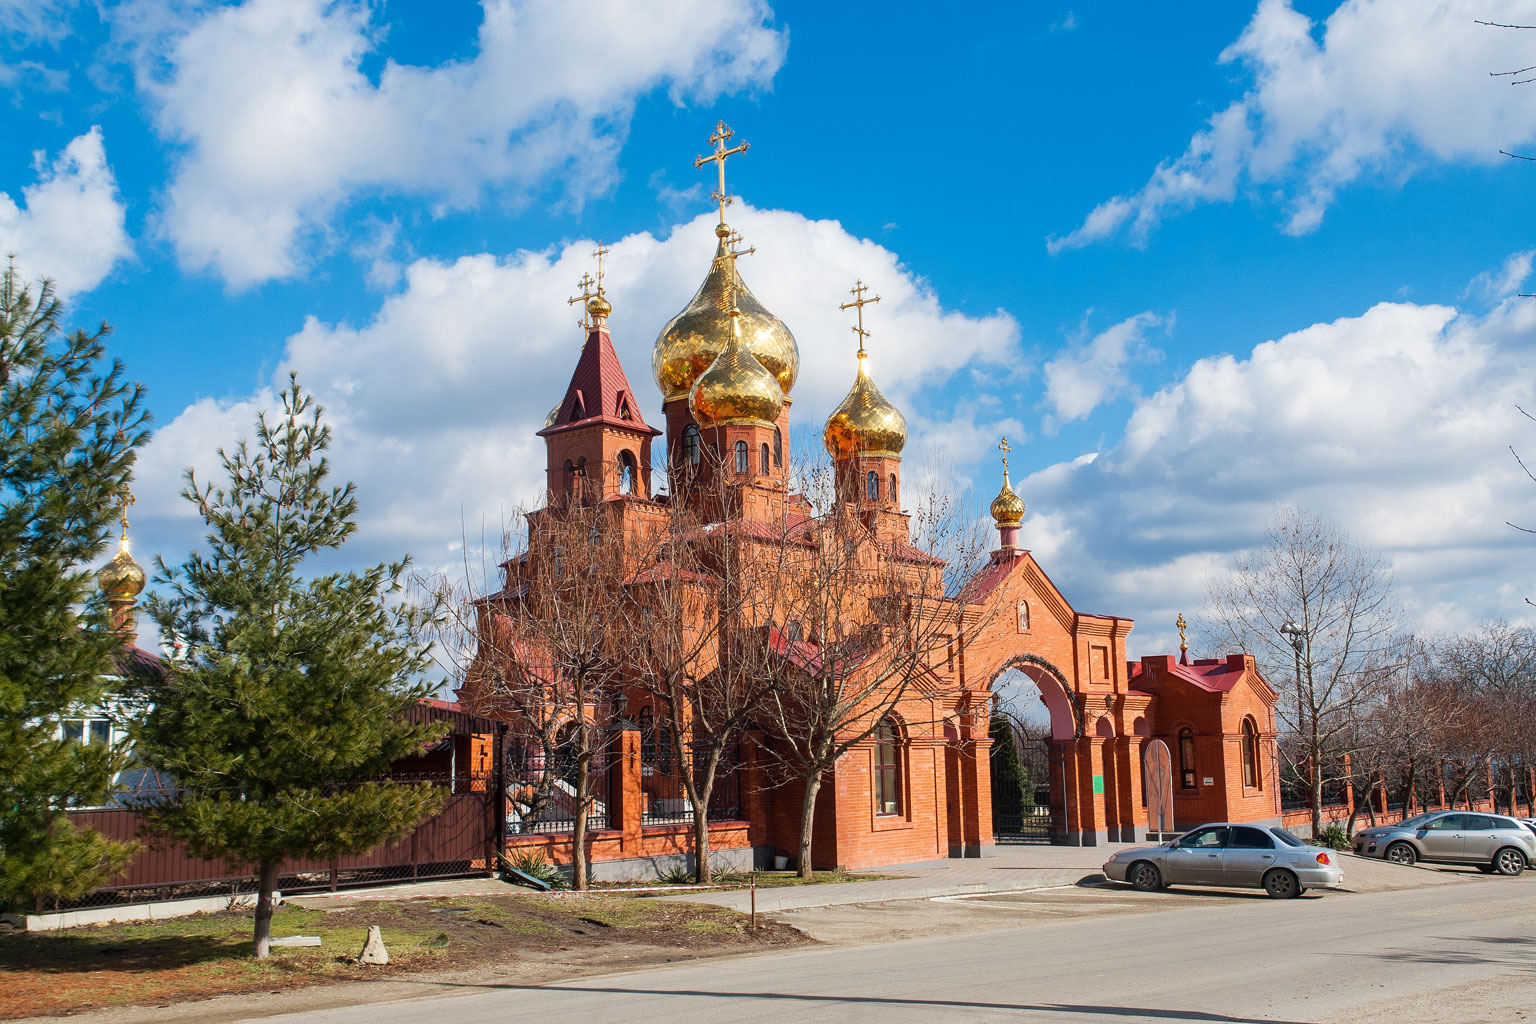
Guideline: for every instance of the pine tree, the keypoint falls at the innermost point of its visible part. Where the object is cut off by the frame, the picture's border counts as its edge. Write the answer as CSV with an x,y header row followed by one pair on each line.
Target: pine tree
x,y
286,705
69,427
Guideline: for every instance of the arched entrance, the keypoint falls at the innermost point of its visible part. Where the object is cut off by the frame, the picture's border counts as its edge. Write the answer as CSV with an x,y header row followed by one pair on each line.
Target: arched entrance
x,y
1033,720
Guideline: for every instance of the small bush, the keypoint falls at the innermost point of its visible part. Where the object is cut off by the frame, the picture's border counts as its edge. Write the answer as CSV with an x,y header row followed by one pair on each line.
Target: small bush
x,y
680,875
533,864
1333,837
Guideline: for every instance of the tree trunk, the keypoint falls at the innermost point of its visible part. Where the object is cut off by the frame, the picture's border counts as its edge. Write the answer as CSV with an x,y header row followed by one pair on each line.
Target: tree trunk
x,y
702,869
808,821
1408,792
267,883
579,837
1317,791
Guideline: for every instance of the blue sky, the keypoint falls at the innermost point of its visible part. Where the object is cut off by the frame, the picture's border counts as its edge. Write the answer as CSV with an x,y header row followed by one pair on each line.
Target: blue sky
x,y
1194,260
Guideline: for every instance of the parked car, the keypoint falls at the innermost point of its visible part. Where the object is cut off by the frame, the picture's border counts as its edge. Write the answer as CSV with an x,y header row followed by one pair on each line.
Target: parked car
x,y
1228,854
1491,842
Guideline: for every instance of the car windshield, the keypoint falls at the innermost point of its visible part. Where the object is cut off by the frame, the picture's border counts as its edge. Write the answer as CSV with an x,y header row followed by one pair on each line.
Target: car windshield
x,y
1285,837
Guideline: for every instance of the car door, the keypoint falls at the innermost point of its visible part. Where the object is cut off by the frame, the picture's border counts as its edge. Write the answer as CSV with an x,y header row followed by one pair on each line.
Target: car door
x,y
1197,857
1249,853
1444,838
1483,838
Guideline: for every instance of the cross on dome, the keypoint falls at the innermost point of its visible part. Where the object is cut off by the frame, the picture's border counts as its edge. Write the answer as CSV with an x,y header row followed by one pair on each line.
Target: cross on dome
x,y
1003,447
722,135
858,303
587,294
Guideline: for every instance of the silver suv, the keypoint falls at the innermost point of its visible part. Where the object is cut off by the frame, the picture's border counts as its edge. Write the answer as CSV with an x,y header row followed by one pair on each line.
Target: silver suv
x,y
1491,842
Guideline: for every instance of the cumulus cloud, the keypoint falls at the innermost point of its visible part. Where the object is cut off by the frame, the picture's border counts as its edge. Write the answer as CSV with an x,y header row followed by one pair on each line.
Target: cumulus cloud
x,y
1085,375
69,224
1395,423
436,398
1391,85
281,125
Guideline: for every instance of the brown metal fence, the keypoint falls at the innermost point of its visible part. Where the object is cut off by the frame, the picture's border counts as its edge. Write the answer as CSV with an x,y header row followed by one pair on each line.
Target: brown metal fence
x,y
458,840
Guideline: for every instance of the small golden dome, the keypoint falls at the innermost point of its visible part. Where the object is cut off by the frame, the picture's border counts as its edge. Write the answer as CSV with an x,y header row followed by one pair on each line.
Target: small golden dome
x,y
1007,507
736,388
554,414
866,423
689,344
599,306
121,579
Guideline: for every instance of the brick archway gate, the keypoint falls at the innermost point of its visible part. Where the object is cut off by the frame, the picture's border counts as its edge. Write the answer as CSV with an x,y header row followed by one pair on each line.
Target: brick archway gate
x,y
1036,811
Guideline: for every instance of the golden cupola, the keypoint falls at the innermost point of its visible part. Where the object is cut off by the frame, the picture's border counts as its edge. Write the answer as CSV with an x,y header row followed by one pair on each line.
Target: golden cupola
x,y
122,579
694,338
866,423
1007,508
736,387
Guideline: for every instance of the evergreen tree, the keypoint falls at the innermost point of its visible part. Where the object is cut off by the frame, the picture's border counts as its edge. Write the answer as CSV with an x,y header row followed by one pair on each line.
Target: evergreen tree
x,y
286,704
69,427
1009,774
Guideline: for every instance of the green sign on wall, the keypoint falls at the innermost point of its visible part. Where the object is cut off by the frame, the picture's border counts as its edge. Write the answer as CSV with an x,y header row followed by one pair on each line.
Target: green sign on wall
x,y
1098,783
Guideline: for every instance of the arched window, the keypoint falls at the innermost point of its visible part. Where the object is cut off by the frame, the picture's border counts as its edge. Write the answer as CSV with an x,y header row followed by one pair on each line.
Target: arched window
x,y
872,486
891,494
765,458
627,474
1023,616
1187,758
691,445
778,447
655,742
743,462
887,768
1250,754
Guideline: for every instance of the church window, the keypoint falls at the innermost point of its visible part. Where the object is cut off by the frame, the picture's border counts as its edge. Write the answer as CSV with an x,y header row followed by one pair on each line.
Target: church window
x,y
691,445
570,478
778,447
887,768
764,459
1186,758
1250,754
627,474
743,462
793,631
872,486
892,492
655,742
1023,616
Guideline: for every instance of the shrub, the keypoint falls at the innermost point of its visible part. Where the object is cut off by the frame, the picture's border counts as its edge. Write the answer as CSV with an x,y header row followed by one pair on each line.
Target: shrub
x,y
533,864
1333,837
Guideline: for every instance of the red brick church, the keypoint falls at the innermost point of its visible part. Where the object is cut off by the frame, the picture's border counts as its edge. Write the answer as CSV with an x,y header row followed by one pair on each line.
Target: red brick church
x,y
919,785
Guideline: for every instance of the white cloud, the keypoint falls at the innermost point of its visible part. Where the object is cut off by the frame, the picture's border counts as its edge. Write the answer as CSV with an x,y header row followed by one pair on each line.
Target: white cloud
x,y
1395,423
69,224
1083,376
436,398
281,125
1392,85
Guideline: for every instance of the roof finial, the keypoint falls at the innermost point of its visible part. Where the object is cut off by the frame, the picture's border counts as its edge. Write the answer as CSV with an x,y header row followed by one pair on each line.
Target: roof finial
x,y
858,303
587,294
1003,447
125,498
1183,643
732,254
721,136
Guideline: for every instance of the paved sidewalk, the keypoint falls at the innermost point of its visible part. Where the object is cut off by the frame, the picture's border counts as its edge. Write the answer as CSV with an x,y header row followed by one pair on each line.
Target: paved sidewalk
x,y
1009,868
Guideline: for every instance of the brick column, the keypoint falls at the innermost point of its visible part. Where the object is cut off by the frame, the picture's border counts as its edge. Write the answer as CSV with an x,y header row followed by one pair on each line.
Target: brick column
x,y
753,795
624,799
1133,816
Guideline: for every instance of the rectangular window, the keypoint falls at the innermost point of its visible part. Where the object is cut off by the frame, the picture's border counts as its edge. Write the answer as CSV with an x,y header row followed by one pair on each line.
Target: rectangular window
x,y
887,783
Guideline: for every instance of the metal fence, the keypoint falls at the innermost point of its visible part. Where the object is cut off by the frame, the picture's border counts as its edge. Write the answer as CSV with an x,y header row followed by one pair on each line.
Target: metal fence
x,y
664,797
543,794
457,840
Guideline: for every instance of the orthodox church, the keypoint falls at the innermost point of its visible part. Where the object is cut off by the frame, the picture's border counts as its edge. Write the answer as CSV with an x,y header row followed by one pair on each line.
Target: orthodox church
x,y
919,784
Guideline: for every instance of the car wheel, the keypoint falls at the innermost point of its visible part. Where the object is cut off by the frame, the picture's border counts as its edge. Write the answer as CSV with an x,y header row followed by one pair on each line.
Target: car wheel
x,y
1282,885
1509,861
1401,853
1145,877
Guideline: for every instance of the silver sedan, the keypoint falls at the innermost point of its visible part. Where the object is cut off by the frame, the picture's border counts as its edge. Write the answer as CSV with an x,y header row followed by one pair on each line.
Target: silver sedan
x,y
1229,854
1490,842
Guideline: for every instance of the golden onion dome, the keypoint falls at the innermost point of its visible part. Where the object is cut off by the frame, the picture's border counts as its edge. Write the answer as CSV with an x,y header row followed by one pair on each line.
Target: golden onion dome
x,y
121,579
689,344
866,423
554,414
1007,508
599,306
736,388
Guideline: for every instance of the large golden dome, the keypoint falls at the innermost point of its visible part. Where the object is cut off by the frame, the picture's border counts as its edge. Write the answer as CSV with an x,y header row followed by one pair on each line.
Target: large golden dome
x,y
1007,508
121,579
736,388
695,337
866,423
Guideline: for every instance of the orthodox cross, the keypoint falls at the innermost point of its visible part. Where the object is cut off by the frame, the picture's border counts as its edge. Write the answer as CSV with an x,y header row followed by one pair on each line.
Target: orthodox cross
x,y
600,252
734,253
124,499
585,284
1002,446
858,303
1183,644
719,139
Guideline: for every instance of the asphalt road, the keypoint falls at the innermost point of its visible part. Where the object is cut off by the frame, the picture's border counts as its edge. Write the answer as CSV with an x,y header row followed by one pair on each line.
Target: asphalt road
x,y
1084,956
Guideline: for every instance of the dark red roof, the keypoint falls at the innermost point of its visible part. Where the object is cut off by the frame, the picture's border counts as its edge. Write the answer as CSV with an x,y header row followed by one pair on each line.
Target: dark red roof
x,y
1209,674
990,576
901,551
599,391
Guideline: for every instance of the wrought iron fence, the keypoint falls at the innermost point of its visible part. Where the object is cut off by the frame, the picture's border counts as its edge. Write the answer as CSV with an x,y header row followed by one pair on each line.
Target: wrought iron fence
x,y
543,794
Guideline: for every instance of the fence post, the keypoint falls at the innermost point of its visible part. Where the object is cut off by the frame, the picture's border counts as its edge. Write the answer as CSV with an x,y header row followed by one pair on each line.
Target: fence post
x,y
624,787
498,796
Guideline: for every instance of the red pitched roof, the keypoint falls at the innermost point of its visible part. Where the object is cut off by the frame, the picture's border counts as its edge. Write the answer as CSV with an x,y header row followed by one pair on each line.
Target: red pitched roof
x,y
987,579
1209,674
599,391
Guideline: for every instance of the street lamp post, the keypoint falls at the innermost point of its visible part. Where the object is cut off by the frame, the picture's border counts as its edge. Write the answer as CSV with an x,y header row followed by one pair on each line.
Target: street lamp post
x,y
1297,638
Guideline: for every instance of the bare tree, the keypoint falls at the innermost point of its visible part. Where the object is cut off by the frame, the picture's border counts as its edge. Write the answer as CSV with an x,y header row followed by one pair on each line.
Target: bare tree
x,y
860,619
1339,599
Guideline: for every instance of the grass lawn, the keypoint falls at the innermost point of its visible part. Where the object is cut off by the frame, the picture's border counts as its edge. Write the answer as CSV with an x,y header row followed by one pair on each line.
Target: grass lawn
x,y
209,954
